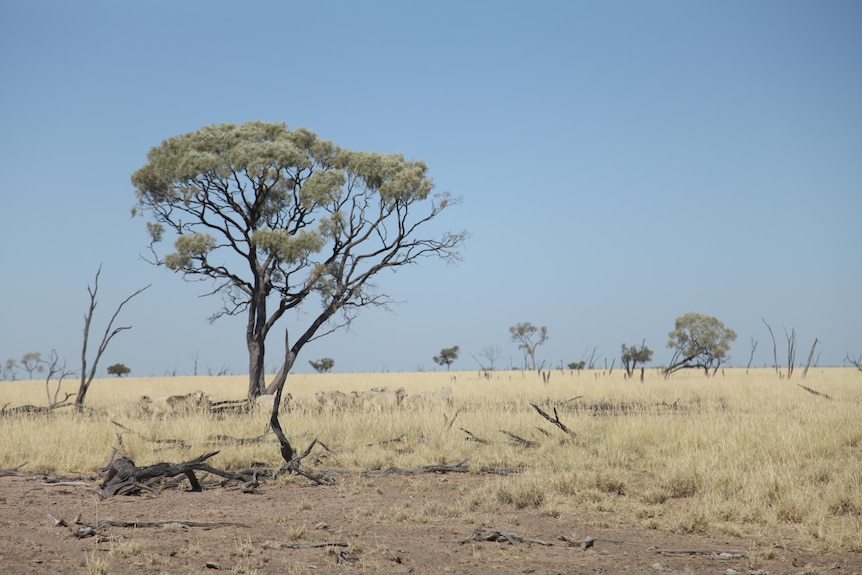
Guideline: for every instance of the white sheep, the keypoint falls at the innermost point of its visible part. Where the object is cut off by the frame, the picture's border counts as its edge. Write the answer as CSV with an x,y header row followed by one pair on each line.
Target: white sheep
x,y
164,406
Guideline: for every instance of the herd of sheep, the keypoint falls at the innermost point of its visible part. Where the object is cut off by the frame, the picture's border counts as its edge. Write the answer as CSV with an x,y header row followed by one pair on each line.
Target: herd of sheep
x,y
375,399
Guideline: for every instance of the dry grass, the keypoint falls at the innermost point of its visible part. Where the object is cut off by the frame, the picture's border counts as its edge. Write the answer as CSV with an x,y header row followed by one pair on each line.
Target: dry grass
x,y
737,453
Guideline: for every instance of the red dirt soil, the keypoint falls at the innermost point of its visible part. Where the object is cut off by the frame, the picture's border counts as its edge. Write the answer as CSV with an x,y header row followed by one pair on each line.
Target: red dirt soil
x,y
376,517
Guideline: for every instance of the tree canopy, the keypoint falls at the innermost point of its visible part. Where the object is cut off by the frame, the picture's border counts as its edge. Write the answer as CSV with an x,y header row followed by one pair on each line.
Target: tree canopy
x,y
274,218
633,355
447,356
322,365
528,337
698,341
119,370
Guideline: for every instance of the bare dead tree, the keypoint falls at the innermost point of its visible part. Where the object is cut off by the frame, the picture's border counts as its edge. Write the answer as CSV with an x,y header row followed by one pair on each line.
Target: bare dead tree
x,y
492,353
854,361
774,346
591,363
754,343
55,368
810,355
194,359
791,350
110,332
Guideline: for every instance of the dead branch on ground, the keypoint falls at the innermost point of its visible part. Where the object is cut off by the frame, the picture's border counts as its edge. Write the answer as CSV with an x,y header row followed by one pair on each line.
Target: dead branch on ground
x,y
459,467
719,552
556,419
179,443
502,470
520,440
13,471
482,534
123,477
813,392
228,440
399,439
472,437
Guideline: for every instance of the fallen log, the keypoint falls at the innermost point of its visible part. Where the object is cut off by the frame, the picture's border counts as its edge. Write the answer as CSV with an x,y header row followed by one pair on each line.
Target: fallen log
x,y
482,534
123,477
13,471
459,467
502,470
731,553
814,392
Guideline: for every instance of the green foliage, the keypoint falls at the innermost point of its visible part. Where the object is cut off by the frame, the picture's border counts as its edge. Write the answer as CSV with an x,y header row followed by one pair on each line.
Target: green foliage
x,y
528,337
579,365
447,356
634,355
699,341
322,365
119,370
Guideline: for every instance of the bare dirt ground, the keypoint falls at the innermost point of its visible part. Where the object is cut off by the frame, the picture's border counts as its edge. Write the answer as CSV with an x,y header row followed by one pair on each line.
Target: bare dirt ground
x,y
379,524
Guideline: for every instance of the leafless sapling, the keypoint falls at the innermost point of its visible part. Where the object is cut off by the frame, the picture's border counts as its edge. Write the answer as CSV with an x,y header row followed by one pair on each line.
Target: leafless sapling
x,y
110,332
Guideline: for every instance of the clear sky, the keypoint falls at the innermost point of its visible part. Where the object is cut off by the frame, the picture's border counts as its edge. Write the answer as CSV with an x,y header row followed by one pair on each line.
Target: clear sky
x,y
621,163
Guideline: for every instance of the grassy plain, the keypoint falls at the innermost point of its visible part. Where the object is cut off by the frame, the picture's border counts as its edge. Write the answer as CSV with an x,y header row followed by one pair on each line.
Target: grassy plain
x,y
739,453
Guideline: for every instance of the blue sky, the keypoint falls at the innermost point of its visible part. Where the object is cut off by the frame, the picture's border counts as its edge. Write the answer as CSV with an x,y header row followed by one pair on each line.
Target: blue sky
x,y
621,163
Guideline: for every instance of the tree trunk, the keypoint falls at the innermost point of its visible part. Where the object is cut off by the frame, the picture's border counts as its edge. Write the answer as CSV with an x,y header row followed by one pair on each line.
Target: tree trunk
x,y
255,368
810,355
255,336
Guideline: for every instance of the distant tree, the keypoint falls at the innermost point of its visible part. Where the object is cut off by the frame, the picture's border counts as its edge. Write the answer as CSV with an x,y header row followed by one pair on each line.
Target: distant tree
x,y
578,365
279,220
854,361
698,341
492,353
754,343
322,365
529,337
9,369
634,355
32,362
119,370
447,356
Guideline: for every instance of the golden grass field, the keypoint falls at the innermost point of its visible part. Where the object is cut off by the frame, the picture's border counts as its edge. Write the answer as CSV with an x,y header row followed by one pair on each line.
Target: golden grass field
x,y
738,453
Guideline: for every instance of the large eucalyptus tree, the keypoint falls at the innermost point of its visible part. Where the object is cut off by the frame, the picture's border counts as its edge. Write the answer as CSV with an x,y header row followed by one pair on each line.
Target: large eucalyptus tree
x,y
277,218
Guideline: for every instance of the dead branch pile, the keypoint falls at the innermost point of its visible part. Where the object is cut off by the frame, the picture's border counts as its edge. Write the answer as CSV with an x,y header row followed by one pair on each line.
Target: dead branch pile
x,y
123,477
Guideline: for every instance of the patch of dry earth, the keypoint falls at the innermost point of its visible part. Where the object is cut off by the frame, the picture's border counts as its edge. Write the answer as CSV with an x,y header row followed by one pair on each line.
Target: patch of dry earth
x,y
390,524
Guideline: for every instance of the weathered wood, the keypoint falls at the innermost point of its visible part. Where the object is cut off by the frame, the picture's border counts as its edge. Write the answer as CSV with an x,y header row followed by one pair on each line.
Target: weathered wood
x,y
227,439
459,467
179,443
482,534
520,440
124,477
731,552
313,545
813,392
293,465
502,470
555,420
114,522
13,471
472,437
